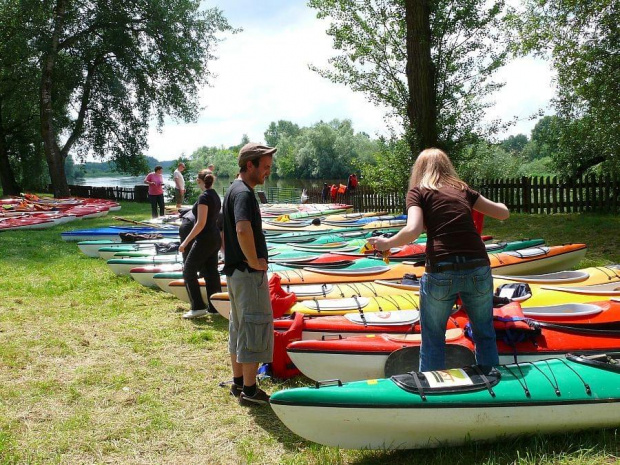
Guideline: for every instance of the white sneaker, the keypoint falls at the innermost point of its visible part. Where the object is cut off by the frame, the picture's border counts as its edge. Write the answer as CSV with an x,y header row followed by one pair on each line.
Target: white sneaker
x,y
194,314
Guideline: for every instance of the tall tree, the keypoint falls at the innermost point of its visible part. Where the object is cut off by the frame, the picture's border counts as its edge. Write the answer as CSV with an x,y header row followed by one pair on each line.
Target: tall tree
x,y
123,63
18,99
581,39
429,62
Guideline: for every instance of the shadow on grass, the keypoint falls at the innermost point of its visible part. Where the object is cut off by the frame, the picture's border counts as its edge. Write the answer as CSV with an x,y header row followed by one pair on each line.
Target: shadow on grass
x,y
592,447
266,418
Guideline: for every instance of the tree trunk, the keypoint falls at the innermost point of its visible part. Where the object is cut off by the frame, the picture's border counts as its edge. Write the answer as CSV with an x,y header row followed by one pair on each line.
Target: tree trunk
x,y
420,77
7,177
55,160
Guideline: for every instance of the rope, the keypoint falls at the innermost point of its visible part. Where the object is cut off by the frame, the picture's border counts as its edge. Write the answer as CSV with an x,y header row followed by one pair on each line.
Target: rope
x,y
523,383
586,385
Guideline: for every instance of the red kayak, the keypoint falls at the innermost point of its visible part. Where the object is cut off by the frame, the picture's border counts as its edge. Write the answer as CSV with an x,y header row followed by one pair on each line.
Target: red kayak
x,y
375,356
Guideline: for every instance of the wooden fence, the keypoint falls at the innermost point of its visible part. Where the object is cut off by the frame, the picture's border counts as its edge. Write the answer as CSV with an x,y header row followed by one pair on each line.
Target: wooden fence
x,y
137,193
521,195
554,195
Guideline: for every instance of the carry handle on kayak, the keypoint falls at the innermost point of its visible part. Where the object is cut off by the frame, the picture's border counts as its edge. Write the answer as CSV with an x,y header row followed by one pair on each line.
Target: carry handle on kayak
x,y
327,337
327,382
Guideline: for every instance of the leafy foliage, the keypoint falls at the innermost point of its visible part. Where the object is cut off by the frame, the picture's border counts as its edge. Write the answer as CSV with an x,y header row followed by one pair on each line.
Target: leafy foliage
x,y
108,68
467,48
581,38
324,150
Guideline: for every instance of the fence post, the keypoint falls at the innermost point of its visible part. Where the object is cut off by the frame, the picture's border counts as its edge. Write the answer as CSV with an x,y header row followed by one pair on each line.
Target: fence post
x,y
525,183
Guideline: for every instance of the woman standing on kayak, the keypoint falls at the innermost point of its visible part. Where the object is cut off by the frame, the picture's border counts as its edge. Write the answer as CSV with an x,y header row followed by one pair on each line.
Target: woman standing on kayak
x,y
204,243
457,263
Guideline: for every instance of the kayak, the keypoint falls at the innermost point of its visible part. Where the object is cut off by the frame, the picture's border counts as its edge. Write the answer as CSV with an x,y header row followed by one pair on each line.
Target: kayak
x,y
526,261
112,233
288,227
276,237
368,356
123,266
145,274
387,292
92,248
451,407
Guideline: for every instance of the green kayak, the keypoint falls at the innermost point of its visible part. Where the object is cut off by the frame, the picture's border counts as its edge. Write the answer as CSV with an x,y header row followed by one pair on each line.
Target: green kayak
x,y
439,408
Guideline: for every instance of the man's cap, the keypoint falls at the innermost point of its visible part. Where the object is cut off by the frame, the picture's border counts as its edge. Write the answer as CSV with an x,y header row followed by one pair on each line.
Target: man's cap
x,y
252,151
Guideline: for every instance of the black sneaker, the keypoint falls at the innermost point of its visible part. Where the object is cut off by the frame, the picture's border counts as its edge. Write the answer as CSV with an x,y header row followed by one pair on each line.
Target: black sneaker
x,y
260,398
236,390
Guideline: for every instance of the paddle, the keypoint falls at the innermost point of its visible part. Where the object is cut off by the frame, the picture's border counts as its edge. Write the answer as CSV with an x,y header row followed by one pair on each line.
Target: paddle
x,y
141,223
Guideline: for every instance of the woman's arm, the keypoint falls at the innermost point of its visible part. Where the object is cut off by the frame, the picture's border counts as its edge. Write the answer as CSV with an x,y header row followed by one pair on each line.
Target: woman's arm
x,y
201,220
411,231
495,210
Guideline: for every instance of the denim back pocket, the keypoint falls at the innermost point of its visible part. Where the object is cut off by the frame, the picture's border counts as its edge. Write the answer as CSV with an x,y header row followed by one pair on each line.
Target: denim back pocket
x,y
483,281
437,288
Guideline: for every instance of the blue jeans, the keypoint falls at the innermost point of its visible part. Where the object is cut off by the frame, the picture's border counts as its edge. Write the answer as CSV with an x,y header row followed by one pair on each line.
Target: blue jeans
x,y
438,292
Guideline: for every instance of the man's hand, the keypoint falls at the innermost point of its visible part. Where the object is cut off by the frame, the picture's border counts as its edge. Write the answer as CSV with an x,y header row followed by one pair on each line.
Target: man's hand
x,y
259,264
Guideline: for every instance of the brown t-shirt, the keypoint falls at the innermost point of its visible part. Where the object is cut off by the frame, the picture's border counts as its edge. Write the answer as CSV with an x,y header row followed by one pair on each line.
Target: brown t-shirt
x,y
448,221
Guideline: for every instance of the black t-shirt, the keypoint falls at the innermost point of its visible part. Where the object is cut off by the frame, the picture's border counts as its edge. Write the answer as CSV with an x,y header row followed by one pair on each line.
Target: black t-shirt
x,y
448,220
240,204
211,199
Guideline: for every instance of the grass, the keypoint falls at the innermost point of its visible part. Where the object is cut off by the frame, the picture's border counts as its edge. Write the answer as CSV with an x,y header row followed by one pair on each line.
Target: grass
x,y
95,368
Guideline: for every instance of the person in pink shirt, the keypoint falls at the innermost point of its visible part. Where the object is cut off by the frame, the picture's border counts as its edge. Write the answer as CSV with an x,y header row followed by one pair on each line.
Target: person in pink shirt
x,y
155,181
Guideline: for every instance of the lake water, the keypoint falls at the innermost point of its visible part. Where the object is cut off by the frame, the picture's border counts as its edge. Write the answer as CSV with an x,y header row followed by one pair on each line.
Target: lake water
x,y
220,183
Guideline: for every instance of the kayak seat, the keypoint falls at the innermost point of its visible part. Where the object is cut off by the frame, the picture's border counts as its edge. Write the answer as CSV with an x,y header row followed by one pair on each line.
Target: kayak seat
x,y
455,380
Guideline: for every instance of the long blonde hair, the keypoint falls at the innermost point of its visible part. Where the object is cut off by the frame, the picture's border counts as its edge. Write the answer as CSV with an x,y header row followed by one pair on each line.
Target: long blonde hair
x,y
433,170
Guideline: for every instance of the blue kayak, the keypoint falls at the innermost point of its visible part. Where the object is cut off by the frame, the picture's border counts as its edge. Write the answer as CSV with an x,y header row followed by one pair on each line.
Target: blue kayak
x,y
112,232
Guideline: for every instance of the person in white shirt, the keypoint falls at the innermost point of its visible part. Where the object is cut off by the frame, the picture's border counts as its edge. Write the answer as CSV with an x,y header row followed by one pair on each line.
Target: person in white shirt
x,y
179,184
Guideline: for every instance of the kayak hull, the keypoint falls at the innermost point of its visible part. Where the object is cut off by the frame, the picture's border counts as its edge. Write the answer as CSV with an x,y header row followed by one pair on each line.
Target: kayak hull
x,y
559,396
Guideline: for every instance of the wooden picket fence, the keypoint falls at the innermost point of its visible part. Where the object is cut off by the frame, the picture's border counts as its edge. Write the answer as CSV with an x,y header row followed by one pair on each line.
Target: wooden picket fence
x,y
137,194
554,195
521,195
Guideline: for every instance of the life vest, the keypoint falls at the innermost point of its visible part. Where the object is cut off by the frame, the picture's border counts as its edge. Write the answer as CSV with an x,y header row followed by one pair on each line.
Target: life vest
x,y
281,300
342,189
282,366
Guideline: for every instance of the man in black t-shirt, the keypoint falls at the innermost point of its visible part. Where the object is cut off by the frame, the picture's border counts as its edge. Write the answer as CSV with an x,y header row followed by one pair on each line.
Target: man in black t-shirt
x,y
245,265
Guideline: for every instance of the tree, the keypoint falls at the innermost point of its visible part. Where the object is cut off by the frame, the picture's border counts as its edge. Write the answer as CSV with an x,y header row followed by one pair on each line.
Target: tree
x,y
515,144
18,103
121,64
430,63
323,150
276,131
581,39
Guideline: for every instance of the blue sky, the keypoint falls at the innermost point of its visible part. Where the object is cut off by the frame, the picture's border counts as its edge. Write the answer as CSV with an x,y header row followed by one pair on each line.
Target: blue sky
x,y
263,76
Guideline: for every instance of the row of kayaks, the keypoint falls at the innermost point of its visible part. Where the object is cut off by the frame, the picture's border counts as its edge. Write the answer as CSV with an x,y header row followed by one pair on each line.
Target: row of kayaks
x,y
32,212
359,325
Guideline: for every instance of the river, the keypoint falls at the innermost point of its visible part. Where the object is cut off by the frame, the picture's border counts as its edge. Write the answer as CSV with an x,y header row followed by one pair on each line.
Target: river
x,y
220,183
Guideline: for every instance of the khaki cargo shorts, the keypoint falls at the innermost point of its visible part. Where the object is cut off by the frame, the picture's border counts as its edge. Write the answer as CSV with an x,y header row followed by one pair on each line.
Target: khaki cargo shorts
x,y
251,319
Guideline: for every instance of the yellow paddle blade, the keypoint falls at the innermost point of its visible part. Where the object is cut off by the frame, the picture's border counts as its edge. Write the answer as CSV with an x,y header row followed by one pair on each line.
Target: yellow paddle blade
x,y
366,248
386,256
283,218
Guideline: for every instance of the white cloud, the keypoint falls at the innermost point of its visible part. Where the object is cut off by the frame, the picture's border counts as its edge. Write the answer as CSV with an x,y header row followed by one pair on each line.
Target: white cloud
x,y
528,89
263,76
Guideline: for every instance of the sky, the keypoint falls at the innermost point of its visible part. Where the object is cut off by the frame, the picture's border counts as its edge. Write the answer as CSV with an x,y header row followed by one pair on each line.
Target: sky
x,y
262,75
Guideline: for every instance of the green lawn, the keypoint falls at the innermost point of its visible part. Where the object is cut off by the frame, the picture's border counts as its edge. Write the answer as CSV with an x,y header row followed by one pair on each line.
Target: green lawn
x,y
95,368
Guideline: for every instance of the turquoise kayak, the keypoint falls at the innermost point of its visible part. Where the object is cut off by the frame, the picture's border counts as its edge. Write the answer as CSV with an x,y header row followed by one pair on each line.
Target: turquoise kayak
x,y
450,407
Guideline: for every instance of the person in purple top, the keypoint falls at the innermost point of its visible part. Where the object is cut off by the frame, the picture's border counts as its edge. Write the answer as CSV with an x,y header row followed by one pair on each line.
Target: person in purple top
x,y
155,181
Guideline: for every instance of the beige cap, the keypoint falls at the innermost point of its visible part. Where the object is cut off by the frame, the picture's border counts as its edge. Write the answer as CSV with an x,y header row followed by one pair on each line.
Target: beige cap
x,y
252,151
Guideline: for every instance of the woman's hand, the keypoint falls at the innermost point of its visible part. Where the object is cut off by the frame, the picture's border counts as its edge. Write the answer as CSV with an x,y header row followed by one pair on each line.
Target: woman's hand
x,y
379,243
182,247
